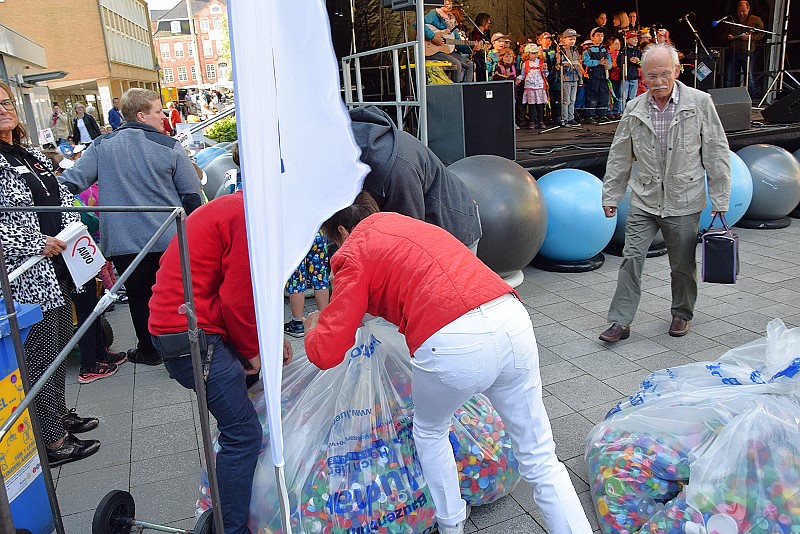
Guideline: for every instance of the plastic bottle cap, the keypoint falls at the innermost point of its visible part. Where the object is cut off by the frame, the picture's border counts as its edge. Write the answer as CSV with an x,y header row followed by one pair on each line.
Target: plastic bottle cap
x,y
722,524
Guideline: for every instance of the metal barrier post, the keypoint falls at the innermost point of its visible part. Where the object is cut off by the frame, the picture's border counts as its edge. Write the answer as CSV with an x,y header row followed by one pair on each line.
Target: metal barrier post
x,y
197,369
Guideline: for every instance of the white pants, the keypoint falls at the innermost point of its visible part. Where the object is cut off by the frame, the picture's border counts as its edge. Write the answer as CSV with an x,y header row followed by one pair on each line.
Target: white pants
x,y
491,349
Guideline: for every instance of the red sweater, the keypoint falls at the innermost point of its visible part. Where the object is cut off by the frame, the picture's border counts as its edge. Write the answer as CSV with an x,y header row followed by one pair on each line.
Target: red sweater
x,y
411,273
223,292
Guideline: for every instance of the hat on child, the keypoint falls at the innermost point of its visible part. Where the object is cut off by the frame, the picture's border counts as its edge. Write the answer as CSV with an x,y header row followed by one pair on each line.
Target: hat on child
x,y
499,35
569,32
66,164
630,34
69,150
531,48
599,29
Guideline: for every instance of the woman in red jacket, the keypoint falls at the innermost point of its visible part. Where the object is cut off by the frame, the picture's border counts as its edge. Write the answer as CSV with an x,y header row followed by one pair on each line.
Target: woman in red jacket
x,y
467,333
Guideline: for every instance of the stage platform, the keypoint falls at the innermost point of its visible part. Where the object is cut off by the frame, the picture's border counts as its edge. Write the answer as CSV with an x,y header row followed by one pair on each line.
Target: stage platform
x,y
586,147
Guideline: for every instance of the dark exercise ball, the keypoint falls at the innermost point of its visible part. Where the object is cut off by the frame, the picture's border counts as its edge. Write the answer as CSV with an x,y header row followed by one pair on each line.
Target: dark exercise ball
x,y
512,211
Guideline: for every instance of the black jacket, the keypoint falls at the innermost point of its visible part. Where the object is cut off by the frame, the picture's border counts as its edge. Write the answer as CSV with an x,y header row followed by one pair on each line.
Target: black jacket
x,y
408,178
91,127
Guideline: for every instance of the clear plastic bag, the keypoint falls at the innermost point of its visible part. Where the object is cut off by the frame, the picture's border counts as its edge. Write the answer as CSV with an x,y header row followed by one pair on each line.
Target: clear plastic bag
x,y
350,461
646,458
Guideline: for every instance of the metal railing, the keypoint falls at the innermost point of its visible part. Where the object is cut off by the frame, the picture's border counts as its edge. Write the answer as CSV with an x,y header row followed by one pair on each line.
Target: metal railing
x,y
176,214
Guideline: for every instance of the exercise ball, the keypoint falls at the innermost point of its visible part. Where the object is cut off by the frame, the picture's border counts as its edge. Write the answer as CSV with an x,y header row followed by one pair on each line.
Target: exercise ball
x,y
512,211
776,182
795,214
741,194
215,170
207,155
577,228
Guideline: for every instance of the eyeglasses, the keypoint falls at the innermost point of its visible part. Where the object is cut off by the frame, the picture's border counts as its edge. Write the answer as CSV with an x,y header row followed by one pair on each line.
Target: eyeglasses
x,y
9,104
653,76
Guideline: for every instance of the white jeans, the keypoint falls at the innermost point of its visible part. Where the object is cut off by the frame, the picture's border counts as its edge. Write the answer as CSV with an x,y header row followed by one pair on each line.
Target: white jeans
x,y
491,349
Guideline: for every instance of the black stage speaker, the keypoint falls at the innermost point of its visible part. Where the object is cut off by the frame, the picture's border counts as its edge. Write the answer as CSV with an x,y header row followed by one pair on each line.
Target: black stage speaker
x,y
465,119
733,106
785,110
706,69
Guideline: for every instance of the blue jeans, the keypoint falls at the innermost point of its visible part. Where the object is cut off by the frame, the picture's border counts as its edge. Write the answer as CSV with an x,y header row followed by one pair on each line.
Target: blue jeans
x,y
239,429
737,65
631,87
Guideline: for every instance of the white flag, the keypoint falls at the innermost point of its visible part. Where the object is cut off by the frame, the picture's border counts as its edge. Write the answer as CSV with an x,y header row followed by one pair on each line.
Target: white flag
x,y
299,160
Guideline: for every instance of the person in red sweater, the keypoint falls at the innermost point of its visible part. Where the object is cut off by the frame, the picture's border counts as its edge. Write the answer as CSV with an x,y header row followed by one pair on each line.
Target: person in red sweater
x,y
220,267
467,333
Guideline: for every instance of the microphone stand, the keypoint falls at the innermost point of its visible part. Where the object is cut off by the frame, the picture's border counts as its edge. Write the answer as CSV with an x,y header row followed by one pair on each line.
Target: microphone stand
x,y
782,59
749,31
708,54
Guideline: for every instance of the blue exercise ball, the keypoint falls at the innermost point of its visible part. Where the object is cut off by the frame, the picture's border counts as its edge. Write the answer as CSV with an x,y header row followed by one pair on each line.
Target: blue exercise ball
x,y
512,211
618,239
577,228
776,181
207,155
741,194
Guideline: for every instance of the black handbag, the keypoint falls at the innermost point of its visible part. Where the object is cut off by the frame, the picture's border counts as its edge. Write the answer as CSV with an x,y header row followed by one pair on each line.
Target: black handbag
x,y
720,253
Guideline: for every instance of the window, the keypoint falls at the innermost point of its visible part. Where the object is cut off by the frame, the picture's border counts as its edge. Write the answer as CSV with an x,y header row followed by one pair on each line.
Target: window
x,y
165,51
194,73
168,75
175,26
191,49
211,71
223,71
178,49
182,74
217,24
204,25
207,50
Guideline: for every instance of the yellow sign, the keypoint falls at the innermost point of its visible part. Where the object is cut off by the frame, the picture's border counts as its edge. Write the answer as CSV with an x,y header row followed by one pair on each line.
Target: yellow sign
x,y
19,461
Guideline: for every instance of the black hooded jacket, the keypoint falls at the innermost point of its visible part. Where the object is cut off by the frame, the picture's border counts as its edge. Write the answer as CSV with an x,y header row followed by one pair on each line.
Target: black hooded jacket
x,y
408,178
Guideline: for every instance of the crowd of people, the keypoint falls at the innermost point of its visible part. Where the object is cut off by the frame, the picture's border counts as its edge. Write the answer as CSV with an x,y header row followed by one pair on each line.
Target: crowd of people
x,y
567,83
406,247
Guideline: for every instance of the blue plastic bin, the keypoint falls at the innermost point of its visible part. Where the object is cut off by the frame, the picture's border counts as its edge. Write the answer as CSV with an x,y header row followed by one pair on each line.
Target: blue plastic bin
x,y
19,459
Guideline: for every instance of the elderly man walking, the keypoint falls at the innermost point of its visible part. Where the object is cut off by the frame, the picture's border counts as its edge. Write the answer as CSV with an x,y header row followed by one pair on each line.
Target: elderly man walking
x,y
674,134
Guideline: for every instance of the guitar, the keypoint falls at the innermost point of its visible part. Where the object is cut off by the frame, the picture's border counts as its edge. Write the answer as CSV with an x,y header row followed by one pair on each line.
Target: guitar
x,y
450,42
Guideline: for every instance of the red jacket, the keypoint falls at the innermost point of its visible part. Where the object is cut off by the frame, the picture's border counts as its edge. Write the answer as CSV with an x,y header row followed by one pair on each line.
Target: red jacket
x,y
411,273
223,292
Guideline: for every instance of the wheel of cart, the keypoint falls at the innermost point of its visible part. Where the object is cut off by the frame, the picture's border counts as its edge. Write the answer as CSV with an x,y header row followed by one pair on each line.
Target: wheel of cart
x,y
116,514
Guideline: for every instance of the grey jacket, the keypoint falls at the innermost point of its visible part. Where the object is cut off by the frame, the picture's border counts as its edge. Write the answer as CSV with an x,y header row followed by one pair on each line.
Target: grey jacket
x,y
135,166
696,147
408,178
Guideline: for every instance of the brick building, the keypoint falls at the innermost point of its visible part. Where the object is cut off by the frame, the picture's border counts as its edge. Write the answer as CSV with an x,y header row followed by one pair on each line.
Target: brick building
x,y
179,56
105,46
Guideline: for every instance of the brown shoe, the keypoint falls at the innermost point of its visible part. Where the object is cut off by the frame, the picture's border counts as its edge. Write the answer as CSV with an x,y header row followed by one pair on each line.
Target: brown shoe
x,y
615,333
679,327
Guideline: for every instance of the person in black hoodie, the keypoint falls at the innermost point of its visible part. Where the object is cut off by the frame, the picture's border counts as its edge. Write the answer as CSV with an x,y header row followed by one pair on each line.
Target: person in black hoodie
x,y
408,178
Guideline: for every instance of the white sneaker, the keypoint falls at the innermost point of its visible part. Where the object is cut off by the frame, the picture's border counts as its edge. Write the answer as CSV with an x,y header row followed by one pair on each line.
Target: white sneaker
x,y
455,529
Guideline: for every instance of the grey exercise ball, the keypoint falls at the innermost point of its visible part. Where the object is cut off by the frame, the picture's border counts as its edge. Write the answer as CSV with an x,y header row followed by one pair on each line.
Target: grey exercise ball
x,y
776,181
512,211
216,173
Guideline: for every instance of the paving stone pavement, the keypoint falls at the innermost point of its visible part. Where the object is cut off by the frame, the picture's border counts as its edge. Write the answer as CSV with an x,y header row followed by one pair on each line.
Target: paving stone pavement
x,y
150,426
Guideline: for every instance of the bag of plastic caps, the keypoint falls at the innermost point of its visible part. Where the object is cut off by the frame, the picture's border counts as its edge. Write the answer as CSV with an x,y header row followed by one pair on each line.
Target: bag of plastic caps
x,y
487,468
350,461
650,446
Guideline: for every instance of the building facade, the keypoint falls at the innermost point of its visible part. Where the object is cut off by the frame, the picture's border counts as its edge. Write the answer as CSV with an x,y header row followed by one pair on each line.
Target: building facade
x,y
180,56
105,46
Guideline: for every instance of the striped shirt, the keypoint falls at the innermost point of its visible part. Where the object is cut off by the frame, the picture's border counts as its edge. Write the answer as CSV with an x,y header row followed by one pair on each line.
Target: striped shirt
x,y
661,119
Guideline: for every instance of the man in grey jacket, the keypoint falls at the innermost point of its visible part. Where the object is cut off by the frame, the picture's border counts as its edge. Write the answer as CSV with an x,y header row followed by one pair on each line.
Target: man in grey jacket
x,y
137,165
408,178
675,136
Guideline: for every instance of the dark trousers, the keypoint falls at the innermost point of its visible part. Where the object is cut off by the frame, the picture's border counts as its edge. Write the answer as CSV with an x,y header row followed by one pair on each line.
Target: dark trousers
x,y
139,288
737,65
239,429
596,97
91,344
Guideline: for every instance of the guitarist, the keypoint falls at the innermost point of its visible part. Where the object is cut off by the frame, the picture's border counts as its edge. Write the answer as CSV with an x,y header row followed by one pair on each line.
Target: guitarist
x,y
444,19
483,23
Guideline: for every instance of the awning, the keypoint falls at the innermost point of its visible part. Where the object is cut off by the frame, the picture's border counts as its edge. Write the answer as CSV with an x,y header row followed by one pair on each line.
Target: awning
x,y
44,76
